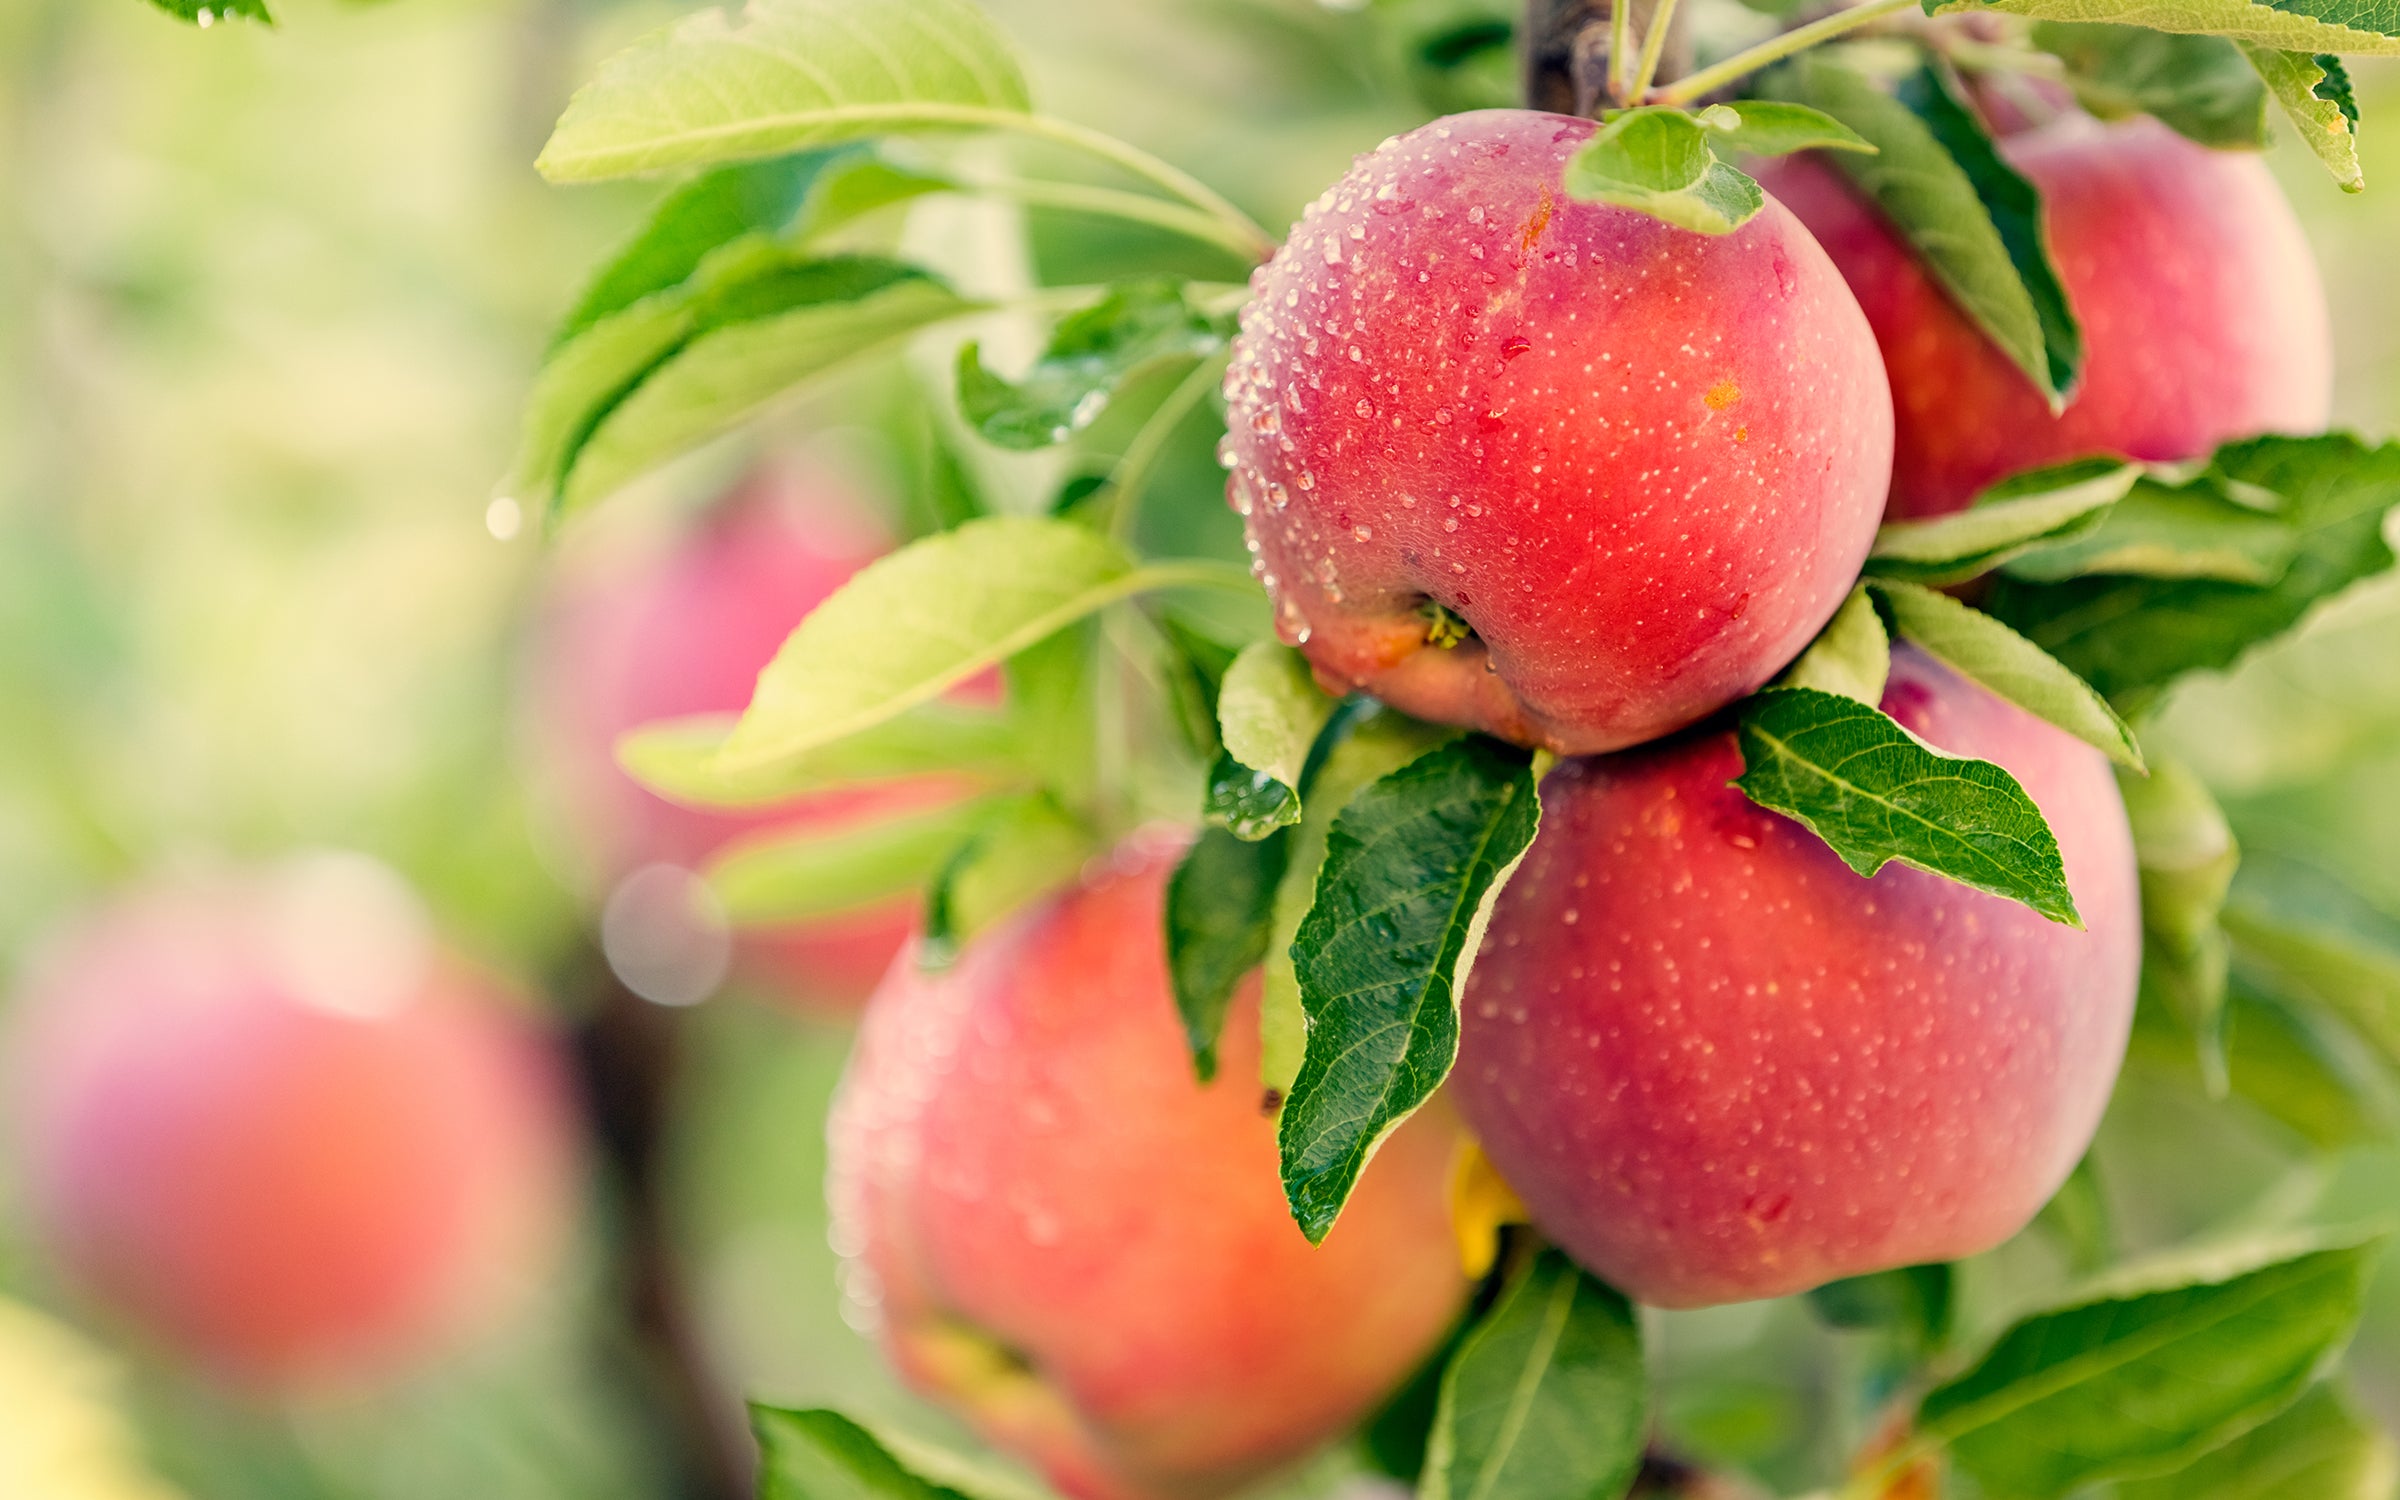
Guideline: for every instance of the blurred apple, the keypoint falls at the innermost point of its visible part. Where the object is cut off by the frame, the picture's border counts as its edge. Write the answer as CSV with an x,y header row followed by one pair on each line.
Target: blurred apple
x,y
632,636
265,1120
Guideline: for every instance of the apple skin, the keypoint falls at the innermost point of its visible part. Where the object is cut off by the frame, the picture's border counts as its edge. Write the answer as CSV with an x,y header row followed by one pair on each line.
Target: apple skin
x,y
1063,1234
628,639
266,1180
2203,316
1644,464
1719,1065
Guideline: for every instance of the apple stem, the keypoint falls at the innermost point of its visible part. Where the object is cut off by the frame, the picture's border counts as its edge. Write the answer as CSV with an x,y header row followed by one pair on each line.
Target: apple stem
x,y
1775,49
1654,44
1620,50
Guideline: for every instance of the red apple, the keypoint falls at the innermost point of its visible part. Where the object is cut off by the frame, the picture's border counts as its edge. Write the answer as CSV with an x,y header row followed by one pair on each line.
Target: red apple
x,y
627,640
1717,1064
1064,1235
2203,317
268,1124
1643,464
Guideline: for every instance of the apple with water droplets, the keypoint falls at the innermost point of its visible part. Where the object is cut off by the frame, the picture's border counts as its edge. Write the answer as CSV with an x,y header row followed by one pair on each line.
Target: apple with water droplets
x,y
1552,469
2203,315
1062,1233
1718,1064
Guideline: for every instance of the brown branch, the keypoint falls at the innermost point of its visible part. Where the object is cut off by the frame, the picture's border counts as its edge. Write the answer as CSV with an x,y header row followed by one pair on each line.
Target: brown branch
x,y
1566,52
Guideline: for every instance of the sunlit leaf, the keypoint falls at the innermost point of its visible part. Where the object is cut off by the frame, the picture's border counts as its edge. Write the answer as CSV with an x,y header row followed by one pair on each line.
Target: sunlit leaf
x,y
1976,646
798,873
1851,656
2019,514
2314,91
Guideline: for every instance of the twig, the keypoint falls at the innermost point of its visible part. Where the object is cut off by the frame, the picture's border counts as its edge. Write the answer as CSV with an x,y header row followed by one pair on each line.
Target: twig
x,y
1774,49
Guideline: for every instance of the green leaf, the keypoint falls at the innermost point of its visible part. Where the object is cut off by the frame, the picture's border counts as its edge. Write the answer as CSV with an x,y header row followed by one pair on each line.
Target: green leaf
x,y
2012,517
1972,219
1400,905
797,874
2362,27
1091,354
2187,856
1359,746
1546,1399
2132,637
911,626
678,759
2152,1368
788,74
816,1454
1269,713
2305,934
2168,531
1220,915
789,199
759,342
1851,656
1027,847
2315,92
1976,646
1659,161
206,13
1774,127
2201,86
2321,1448
2302,1071
1875,793
2078,1216
1915,1303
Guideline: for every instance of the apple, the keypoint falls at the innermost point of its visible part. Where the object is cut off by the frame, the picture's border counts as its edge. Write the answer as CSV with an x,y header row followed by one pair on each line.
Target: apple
x,y
636,634
2203,316
1064,1235
265,1122
1554,470
1718,1065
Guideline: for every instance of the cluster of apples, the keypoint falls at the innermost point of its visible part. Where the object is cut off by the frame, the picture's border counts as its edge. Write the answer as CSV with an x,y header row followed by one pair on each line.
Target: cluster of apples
x,y
1574,477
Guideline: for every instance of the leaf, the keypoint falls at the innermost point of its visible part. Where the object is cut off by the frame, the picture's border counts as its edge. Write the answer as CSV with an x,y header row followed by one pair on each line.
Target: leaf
x,y
1970,217
2315,92
1976,646
1220,915
2149,1370
1851,656
1360,745
1546,1399
1659,161
206,13
2167,531
1774,127
1269,713
1091,354
678,760
1875,793
796,874
789,199
2012,517
2307,935
787,75
2288,1062
2201,86
1915,1303
1027,847
1382,953
2321,1448
2078,1216
767,339
816,1454
2132,637
2363,27
912,625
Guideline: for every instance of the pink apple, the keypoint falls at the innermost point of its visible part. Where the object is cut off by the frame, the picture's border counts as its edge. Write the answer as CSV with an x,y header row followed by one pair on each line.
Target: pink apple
x,y
1717,1064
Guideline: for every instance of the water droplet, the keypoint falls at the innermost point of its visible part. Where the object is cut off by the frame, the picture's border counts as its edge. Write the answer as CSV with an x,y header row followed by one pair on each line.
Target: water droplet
x,y
1277,495
1363,533
1308,480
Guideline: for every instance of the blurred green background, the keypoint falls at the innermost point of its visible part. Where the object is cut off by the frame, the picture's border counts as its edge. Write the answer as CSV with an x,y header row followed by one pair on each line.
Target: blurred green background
x,y
268,302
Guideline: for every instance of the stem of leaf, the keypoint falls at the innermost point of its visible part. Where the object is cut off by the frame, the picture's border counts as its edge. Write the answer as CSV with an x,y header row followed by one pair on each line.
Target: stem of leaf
x,y
1252,240
1654,43
1775,49
1135,208
1140,461
1620,51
